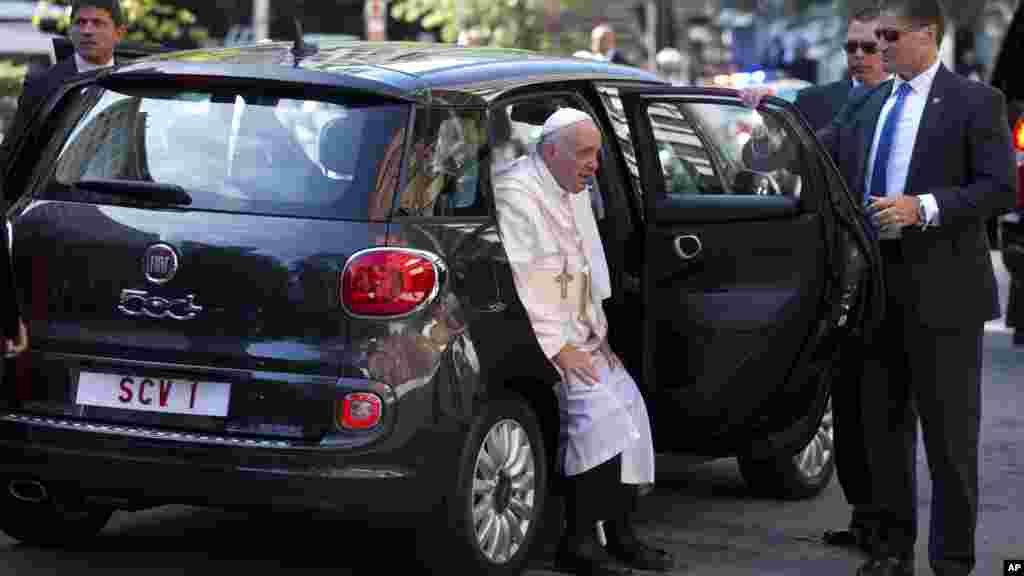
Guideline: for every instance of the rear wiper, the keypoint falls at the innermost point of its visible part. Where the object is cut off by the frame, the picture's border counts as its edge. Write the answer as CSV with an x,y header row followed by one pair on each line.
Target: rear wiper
x,y
151,191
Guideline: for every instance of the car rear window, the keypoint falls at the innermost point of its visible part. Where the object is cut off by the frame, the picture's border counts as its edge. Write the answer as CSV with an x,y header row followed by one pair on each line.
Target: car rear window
x,y
232,150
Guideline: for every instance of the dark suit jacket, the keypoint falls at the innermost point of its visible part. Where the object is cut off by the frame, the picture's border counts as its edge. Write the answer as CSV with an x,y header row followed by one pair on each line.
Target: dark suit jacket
x,y
820,104
36,89
962,156
9,311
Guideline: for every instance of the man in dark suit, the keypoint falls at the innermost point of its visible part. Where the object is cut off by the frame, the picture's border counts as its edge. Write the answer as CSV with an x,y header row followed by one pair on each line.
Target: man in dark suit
x,y
96,27
820,104
603,44
930,151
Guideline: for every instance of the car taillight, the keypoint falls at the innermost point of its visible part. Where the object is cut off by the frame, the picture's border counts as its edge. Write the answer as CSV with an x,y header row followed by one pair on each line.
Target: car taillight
x,y
1018,134
359,411
383,282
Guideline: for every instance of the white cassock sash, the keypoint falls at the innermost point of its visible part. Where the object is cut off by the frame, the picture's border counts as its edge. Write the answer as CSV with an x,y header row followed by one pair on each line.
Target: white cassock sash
x,y
598,422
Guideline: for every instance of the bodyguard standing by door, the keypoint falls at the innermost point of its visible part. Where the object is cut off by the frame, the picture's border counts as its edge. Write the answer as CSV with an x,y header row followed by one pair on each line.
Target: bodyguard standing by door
x,y
96,28
930,150
938,165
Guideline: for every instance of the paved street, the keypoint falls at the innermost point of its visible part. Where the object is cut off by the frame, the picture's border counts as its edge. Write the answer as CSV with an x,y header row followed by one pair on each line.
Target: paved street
x,y
704,513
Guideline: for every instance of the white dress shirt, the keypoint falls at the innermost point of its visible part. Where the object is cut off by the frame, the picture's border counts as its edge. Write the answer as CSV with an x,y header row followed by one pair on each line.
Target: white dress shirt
x,y
903,142
83,65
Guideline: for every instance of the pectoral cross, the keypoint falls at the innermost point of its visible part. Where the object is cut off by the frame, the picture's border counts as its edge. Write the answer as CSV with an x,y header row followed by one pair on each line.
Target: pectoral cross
x,y
585,296
564,279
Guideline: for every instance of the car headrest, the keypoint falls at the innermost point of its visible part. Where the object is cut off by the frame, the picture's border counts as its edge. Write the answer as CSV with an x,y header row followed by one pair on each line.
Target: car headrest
x,y
533,112
501,128
337,144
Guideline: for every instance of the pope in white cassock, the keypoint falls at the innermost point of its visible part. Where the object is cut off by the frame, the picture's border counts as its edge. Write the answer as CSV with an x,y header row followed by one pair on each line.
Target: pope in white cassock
x,y
548,229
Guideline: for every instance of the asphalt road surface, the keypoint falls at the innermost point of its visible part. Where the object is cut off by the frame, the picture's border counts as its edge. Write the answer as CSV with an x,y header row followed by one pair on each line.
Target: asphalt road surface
x,y
703,513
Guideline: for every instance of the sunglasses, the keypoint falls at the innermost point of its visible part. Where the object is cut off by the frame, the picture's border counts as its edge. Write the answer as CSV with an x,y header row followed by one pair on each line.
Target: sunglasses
x,y
893,35
866,47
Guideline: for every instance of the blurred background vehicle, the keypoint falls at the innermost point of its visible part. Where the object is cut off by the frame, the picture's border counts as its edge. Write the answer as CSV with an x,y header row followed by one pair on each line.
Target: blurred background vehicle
x,y
1006,76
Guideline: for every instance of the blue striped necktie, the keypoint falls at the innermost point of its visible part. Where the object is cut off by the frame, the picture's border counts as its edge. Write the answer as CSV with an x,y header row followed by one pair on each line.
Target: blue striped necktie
x,y
878,174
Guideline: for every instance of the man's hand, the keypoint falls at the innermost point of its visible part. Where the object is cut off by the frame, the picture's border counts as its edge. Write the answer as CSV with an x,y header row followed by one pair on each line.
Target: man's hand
x,y
752,96
13,348
613,361
578,363
895,212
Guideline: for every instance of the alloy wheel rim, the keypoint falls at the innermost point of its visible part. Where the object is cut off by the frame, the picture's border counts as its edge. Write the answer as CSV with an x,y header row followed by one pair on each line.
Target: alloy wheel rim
x,y
504,488
811,461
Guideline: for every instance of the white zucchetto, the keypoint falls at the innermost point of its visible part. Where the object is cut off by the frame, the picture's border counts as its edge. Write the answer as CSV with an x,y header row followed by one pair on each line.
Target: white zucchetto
x,y
562,118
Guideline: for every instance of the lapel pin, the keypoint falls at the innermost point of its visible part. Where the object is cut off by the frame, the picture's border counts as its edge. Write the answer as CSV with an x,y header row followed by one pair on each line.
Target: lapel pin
x,y
936,100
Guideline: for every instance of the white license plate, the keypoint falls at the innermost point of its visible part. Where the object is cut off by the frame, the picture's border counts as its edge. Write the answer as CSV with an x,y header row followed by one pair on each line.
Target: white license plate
x,y
149,394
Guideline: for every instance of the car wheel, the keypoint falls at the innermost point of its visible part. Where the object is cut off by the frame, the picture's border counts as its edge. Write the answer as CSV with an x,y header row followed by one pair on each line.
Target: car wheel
x,y
803,475
37,516
498,504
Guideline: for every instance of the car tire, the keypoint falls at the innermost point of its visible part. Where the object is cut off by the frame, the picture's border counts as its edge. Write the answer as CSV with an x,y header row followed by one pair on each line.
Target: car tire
x,y
58,520
798,477
489,506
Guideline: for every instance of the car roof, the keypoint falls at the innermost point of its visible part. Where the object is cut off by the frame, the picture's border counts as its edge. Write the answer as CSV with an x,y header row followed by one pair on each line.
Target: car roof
x,y
414,71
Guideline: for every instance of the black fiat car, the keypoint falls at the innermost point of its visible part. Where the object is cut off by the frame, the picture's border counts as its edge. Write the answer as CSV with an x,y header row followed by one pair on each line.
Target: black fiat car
x,y
271,276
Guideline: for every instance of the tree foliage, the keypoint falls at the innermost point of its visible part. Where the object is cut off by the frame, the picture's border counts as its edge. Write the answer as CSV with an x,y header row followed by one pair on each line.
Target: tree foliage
x,y
149,22
12,76
504,23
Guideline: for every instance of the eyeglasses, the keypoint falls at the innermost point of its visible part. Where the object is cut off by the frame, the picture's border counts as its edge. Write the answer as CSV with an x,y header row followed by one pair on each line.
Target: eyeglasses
x,y
866,47
893,35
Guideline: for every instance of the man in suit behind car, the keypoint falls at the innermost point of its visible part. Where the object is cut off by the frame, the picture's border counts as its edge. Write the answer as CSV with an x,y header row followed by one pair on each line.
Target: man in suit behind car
x,y
820,104
603,45
96,27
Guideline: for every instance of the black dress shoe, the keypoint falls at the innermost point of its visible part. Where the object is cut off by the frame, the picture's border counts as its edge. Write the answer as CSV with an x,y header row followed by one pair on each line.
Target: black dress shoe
x,y
586,557
628,549
888,566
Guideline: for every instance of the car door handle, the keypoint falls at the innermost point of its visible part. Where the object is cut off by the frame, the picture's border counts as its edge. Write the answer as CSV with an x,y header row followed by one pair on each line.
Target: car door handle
x,y
688,246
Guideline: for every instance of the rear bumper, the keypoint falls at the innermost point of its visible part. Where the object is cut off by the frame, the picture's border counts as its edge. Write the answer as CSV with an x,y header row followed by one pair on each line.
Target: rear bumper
x,y
130,472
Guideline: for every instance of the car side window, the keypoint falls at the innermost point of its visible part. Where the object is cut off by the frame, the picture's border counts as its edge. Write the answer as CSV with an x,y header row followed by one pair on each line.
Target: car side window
x,y
271,152
443,166
686,163
707,149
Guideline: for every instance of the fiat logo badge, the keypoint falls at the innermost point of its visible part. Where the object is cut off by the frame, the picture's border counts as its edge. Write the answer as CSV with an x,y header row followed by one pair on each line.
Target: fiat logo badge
x,y
160,263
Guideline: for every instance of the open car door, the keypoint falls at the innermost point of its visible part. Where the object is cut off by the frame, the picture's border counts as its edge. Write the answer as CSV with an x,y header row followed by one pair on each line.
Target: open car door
x,y
742,269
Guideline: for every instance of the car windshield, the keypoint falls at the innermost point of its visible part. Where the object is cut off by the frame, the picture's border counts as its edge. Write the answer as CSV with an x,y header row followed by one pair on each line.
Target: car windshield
x,y
234,151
